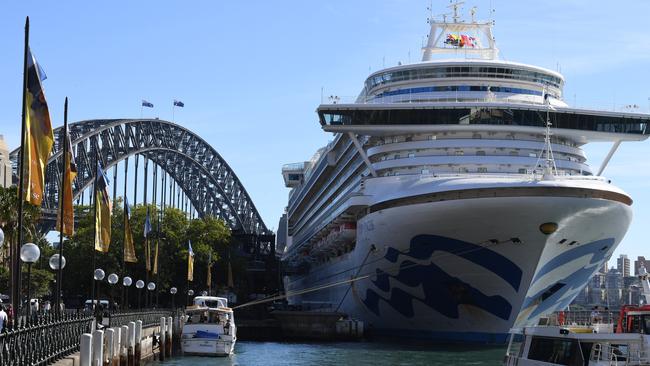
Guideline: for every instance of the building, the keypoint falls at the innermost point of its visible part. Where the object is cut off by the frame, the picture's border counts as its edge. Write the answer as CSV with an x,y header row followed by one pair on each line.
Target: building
x,y
5,164
641,261
614,287
623,265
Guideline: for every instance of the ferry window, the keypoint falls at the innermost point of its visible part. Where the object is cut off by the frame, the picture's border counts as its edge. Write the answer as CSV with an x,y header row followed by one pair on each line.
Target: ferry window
x,y
459,152
482,169
411,155
646,324
556,351
480,153
522,171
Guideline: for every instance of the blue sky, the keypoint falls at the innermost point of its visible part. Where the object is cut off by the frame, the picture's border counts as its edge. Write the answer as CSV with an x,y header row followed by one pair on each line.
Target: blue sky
x,y
250,73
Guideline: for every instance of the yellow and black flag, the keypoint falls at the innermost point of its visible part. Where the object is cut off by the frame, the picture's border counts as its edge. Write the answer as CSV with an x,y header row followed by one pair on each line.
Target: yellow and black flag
x,y
103,210
190,262
39,136
69,174
129,248
155,259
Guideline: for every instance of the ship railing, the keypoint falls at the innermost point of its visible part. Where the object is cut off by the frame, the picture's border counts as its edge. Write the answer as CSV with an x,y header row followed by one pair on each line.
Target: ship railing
x,y
582,318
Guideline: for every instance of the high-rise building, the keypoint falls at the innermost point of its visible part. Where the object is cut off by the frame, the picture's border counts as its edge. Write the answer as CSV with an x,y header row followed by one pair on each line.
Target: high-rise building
x,y
5,164
640,260
623,265
614,287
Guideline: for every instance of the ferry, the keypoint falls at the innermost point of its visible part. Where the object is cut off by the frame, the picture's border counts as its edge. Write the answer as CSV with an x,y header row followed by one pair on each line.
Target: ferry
x,y
455,200
625,343
209,328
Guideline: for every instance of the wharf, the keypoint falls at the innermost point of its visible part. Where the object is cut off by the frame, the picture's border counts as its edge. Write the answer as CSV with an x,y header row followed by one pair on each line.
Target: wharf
x,y
301,325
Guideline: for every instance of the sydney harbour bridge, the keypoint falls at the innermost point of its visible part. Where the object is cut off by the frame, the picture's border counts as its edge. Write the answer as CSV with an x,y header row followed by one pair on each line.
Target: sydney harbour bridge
x,y
188,173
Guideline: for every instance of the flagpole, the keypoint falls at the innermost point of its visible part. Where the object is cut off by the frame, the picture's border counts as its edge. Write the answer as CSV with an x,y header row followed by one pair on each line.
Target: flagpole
x,y
15,277
147,250
59,284
124,288
94,293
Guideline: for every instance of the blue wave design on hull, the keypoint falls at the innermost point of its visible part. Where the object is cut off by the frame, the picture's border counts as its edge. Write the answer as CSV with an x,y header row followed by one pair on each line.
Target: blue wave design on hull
x,y
442,292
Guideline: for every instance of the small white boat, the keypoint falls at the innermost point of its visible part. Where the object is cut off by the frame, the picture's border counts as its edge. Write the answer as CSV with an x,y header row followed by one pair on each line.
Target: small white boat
x,y
625,343
209,328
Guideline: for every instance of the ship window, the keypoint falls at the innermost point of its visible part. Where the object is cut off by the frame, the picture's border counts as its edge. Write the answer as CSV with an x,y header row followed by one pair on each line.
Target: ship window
x,y
426,172
557,351
514,153
411,155
397,156
459,152
480,153
522,171
532,155
482,169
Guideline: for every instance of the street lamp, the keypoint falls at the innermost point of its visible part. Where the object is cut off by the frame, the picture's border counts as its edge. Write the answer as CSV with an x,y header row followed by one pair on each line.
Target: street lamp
x,y
139,285
151,286
98,275
112,279
173,291
189,293
126,282
29,253
54,264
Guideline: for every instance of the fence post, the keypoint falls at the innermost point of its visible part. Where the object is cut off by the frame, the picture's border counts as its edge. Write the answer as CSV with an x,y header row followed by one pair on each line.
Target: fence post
x,y
110,346
98,347
86,349
131,349
138,341
124,344
168,338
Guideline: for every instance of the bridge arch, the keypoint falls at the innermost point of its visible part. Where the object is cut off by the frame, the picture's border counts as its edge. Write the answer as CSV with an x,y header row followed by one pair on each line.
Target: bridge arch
x,y
201,173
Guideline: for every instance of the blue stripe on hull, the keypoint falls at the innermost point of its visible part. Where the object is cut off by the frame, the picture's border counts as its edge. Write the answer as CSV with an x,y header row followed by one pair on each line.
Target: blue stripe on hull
x,y
441,337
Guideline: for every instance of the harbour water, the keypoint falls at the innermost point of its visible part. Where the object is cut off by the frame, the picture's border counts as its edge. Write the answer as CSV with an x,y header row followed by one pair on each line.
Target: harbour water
x,y
357,354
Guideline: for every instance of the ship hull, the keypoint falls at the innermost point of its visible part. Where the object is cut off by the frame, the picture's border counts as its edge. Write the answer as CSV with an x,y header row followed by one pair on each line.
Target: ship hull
x,y
467,270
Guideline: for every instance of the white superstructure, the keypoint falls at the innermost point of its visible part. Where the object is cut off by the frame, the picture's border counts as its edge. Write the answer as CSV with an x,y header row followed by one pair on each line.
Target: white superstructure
x,y
209,328
455,195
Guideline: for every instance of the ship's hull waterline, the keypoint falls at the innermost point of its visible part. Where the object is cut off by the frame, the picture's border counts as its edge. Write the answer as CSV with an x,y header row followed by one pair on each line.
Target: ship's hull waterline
x,y
467,269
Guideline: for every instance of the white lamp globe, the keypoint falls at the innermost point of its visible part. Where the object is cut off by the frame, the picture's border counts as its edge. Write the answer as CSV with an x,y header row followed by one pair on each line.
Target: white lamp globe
x,y
54,262
190,292
99,274
139,284
173,290
29,253
127,281
151,286
112,278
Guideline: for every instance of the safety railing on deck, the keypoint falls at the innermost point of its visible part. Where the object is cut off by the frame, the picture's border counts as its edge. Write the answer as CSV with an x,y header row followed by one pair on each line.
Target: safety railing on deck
x,y
45,339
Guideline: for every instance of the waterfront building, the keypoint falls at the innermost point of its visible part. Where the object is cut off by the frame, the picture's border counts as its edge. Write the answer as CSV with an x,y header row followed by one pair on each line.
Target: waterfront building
x,y
641,261
5,164
613,287
623,265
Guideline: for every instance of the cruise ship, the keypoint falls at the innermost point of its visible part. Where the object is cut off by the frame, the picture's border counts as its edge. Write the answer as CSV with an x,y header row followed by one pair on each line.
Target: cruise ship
x,y
455,201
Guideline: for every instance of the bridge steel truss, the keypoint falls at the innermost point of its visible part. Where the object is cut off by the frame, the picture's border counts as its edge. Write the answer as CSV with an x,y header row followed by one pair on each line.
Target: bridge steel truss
x,y
203,175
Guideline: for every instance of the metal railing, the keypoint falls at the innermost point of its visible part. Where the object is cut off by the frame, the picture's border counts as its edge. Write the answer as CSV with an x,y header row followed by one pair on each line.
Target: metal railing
x,y
149,317
46,339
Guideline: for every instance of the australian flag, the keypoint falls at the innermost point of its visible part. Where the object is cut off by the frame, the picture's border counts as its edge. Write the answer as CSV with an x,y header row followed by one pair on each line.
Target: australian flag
x,y
147,104
178,103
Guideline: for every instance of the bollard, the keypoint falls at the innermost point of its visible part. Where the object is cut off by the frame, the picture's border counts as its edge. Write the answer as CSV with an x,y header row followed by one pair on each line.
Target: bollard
x,y
109,346
161,344
98,348
168,338
124,345
86,349
117,338
138,342
131,345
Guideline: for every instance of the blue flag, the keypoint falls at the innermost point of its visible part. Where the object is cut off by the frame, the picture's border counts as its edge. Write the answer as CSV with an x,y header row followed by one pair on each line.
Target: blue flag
x,y
147,104
147,224
178,103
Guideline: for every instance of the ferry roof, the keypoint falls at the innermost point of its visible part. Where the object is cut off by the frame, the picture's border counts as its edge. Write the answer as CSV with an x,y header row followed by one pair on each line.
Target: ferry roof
x,y
582,125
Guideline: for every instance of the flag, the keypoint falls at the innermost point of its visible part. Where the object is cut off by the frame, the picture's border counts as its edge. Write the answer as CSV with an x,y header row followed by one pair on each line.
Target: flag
x,y
147,224
129,248
178,103
190,262
147,104
69,174
103,209
209,280
39,136
155,259
147,248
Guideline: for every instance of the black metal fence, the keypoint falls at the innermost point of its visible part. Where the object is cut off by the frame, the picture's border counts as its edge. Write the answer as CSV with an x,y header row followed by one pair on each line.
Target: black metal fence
x,y
149,317
44,340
